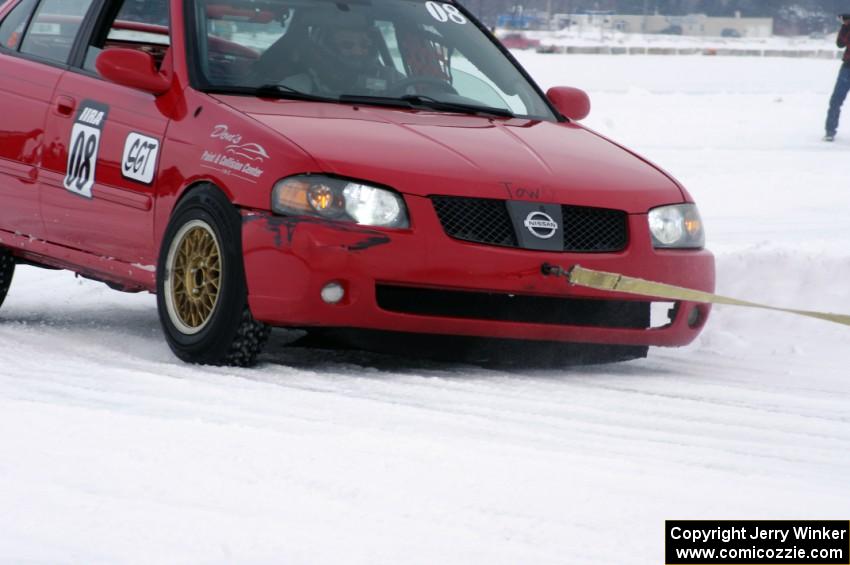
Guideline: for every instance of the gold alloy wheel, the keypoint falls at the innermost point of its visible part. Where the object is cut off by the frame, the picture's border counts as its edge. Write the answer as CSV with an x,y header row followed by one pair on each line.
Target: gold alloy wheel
x,y
193,277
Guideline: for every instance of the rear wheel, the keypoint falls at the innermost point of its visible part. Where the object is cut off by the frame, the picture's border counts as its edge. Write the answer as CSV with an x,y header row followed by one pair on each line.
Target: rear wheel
x,y
7,269
201,291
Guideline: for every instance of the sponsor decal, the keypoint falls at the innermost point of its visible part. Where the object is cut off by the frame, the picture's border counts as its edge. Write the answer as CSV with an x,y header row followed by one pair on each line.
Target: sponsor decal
x,y
250,151
238,159
541,225
221,131
84,147
140,157
228,164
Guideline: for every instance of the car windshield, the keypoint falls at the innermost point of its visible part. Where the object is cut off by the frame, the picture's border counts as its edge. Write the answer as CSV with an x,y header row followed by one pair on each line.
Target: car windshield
x,y
392,52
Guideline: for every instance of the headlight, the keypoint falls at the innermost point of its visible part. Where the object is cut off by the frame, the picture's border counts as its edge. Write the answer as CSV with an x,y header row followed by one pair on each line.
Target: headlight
x,y
677,226
339,199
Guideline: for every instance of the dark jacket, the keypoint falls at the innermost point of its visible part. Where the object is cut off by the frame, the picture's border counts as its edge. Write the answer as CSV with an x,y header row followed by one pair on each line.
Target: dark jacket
x,y
844,41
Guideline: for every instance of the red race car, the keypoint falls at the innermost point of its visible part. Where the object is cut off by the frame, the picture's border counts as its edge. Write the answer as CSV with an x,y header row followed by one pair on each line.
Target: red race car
x,y
372,166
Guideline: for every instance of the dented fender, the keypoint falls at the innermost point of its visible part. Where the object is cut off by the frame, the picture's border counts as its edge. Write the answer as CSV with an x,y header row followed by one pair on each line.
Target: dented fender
x,y
350,237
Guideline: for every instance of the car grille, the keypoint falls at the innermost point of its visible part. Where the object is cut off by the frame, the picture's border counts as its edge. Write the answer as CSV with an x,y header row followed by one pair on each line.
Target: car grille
x,y
591,230
487,221
476,219
514,308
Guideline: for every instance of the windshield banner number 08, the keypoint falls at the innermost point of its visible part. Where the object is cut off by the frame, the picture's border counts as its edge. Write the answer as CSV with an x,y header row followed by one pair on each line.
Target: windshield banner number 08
x,y
445,12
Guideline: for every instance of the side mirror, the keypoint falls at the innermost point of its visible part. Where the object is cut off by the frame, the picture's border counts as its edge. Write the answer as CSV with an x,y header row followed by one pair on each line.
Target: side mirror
x,y
133,68
572,103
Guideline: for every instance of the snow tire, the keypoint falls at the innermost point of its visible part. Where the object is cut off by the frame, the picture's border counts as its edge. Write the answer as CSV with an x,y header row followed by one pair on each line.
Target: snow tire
x,y
225,332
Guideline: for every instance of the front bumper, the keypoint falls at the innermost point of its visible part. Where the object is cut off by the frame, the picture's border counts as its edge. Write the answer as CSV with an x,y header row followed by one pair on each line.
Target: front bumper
x,y
289,260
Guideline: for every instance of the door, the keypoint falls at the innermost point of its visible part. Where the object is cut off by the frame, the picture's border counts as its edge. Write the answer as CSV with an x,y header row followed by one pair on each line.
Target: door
x,y
97,190
31,71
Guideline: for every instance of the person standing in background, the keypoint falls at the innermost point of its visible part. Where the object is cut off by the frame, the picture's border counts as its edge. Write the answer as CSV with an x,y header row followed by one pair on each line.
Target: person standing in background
x,y
842,85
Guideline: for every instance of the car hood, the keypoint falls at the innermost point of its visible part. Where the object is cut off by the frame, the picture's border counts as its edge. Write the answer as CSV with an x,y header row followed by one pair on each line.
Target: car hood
x,y
427,153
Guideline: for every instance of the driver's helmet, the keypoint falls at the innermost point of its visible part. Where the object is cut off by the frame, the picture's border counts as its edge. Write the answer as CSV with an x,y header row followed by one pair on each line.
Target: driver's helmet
x,y
346,49
353,45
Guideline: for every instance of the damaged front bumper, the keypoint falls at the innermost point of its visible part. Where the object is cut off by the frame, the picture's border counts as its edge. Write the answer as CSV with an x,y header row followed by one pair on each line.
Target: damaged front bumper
x,y
421,281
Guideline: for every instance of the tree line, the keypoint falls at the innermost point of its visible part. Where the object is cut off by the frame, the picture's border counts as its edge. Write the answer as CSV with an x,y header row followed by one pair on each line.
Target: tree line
x,y
790,16
747,8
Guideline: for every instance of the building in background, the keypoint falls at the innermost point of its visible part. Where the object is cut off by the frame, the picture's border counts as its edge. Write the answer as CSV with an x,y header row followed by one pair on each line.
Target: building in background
x,y
520,18
692,24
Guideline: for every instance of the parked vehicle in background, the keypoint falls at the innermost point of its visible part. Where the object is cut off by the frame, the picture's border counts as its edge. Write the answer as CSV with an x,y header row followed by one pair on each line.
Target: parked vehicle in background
x,y
519,41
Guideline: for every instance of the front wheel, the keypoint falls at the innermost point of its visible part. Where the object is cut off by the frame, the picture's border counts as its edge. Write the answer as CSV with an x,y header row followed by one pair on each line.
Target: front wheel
x,y
201,291
7,269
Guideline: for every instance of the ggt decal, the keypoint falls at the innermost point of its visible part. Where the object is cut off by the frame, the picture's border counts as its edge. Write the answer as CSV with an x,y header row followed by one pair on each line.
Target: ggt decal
x,y
84,147
139,160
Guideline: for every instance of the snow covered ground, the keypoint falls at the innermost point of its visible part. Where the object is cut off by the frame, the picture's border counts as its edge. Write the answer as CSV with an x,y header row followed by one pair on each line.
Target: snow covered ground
x,y
111,451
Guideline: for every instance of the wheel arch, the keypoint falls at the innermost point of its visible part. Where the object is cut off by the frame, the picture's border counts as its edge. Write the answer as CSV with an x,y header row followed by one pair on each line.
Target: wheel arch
x,y
197,184
167,205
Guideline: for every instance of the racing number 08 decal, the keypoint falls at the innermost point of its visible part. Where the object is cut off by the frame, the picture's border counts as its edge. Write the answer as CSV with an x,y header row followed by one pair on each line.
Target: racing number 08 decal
x,y
84,147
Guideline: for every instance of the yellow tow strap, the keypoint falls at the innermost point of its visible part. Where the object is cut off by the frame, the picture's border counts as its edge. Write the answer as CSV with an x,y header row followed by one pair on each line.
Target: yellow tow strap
x,y
613,282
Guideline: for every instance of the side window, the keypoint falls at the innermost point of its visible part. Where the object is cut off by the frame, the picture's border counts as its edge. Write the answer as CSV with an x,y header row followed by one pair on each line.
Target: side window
x,y
140,24
53,29
13,26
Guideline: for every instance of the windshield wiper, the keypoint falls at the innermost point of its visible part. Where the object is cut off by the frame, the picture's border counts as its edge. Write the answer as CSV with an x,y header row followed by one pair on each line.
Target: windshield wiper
x,y
283,91
435,104
406,101
418,100
375,100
